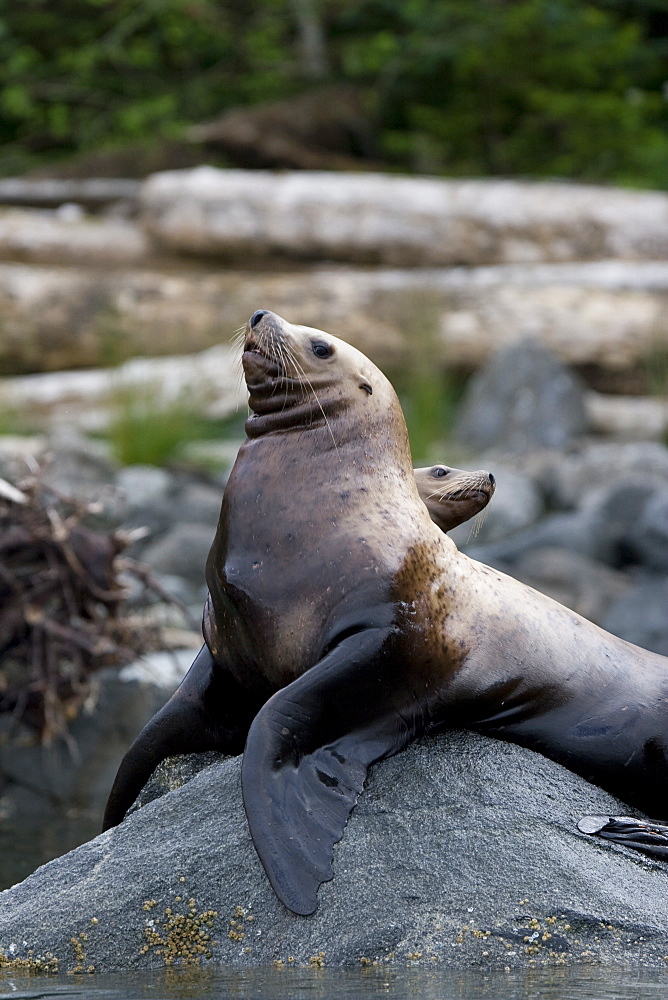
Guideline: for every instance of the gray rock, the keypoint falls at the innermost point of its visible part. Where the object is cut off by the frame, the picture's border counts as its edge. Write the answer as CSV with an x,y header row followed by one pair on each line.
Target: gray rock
x,y
641,615
463,851
183,550
571,530
147,493
615,515
198,503
648,536
596,467
523,398
76,774
572,579
516,504
144,487
81,467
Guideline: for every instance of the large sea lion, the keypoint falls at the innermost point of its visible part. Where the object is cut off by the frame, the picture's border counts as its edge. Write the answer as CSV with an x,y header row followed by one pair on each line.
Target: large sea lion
x,y
333,640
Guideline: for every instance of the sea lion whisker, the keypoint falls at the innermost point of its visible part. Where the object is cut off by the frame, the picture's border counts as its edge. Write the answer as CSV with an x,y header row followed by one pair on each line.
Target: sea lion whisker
x,y
477,523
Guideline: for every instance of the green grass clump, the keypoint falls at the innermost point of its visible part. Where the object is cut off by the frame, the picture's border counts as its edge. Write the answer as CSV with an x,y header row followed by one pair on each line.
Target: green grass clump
x,y
147,428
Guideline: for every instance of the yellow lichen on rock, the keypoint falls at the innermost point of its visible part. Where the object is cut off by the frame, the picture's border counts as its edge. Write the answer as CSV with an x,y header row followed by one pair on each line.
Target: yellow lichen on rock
x,y
181,938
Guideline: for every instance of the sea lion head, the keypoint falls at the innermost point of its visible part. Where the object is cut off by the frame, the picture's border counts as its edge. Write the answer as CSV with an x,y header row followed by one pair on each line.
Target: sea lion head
x,y
302,378
454,495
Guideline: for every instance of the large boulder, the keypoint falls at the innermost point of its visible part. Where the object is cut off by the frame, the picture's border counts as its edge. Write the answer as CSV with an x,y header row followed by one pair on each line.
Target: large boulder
x,y
462,851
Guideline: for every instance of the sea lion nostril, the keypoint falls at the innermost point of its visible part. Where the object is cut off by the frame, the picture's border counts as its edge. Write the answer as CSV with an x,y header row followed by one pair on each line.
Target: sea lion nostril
x,y
256,317
492,480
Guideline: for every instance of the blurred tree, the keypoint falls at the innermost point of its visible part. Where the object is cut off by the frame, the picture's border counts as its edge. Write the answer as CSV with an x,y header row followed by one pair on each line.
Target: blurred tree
x,y
80,74
534,87
573,88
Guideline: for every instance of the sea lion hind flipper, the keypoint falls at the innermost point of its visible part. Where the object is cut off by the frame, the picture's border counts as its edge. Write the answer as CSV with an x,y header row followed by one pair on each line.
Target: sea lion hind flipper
x,y
208,711
307,756
647,836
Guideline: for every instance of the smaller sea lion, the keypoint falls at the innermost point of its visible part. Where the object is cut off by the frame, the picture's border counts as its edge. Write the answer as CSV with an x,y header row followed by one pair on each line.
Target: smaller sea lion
x,y
453,496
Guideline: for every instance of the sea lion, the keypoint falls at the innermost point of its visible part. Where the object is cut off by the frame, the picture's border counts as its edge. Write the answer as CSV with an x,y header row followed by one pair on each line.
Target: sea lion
x,y
453,496
332,642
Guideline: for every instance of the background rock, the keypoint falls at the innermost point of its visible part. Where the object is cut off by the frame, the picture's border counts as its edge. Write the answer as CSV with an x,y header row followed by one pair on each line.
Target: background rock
x,y
462,851
523,398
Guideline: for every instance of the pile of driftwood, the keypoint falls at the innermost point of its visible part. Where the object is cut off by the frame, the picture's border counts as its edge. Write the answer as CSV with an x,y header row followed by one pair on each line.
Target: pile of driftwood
x,y
62,611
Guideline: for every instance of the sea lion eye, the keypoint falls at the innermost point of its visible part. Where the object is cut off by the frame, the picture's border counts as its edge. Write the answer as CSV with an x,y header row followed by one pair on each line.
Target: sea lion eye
x,y
321,349
366,387
438,472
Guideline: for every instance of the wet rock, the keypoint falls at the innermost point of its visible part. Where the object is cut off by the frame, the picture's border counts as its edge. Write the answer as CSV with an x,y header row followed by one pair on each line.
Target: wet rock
x,y
458,848
523,398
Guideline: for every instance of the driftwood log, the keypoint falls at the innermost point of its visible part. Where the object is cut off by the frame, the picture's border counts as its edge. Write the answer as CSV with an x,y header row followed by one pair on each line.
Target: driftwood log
x,y
62,610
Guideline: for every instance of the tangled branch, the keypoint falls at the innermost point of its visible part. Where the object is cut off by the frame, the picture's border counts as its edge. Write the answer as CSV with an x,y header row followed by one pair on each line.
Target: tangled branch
x,y
62,610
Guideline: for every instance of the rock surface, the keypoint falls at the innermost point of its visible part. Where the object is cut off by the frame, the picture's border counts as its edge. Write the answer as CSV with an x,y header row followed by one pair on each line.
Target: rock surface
x,y
42,782
462,851
523,398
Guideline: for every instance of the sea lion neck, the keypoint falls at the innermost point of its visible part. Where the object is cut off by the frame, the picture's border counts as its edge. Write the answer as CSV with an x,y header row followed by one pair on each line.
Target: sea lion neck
x,y
281,404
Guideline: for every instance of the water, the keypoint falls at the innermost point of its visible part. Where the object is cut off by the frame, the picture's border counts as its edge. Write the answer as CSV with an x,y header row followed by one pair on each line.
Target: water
x,y
568,983
23,848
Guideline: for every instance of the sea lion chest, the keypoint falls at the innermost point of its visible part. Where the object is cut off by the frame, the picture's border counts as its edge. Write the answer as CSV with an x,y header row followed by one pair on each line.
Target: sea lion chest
x,y
302,551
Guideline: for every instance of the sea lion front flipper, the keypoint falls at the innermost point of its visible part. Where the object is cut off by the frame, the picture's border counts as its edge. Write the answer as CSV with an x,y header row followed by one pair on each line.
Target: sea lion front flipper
x,y
307,755
208,711
643,835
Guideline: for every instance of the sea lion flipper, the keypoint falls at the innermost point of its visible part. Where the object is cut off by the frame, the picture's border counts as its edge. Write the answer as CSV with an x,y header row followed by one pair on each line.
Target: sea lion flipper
x,y
307,756
647,836
185,724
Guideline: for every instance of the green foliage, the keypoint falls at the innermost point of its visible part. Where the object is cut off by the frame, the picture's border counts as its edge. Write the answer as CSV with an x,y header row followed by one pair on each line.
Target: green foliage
x,y
149,428
463,87
82,74
533,87
146,428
